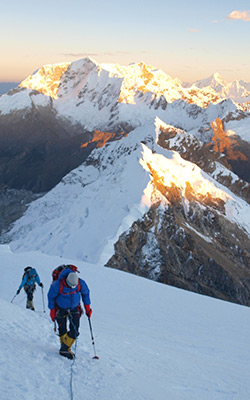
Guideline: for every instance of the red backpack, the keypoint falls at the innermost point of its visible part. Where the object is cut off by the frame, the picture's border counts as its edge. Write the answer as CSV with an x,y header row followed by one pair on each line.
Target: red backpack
x,y
56,272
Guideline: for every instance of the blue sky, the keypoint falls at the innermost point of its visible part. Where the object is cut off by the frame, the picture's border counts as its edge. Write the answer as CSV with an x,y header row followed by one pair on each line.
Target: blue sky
x,y
186,39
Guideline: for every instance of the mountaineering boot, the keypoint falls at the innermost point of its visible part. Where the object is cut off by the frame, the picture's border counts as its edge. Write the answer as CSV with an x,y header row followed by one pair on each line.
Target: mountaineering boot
x,y
62,338
30,305
66,344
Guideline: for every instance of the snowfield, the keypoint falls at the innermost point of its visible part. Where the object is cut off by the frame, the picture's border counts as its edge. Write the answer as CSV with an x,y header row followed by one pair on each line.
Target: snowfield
x,y
155,342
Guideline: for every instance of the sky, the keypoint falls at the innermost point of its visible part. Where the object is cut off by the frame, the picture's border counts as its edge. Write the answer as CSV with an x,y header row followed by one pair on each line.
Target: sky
x,y
188,40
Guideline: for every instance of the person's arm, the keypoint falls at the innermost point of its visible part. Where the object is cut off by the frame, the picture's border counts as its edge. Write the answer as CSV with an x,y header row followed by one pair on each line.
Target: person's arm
x,y
23,282
86,298
38,280
52,294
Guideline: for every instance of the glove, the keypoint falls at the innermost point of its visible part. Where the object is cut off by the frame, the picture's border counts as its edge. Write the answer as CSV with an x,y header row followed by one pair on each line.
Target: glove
x,y
88,310
41,284
18,291
53,314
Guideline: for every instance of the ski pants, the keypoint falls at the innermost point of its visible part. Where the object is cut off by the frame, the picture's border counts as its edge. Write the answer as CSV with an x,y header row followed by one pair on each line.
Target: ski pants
x,y
30,291
72,317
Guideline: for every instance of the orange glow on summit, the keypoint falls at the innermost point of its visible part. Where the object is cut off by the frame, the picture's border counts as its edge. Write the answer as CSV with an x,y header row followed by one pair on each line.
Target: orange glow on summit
x,y
47,80
225,143
101,138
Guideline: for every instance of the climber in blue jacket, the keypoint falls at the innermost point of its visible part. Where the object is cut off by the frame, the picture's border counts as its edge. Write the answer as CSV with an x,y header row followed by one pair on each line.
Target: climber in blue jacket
x,y
29,280
64,302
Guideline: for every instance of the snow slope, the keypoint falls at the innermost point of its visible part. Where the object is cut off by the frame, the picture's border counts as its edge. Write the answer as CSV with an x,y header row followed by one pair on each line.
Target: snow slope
x,y
154,341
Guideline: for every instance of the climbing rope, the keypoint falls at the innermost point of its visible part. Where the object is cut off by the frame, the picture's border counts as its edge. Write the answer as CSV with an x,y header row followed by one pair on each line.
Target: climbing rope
x,y
73,361
71,373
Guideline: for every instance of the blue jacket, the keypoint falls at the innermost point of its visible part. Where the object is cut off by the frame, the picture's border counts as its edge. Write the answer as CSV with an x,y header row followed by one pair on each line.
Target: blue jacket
x,y
30,278
70,297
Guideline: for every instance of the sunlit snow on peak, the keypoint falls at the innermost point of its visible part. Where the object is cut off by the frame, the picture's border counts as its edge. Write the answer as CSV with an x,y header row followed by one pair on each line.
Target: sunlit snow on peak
x,y
176,171
46,80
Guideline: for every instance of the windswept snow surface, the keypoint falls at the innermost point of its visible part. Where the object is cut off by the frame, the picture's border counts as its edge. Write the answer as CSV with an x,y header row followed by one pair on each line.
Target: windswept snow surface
x,y
155,342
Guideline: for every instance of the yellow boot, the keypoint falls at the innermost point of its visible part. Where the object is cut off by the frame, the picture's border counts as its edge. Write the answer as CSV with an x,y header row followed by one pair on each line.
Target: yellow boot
x,y
66,344
62,338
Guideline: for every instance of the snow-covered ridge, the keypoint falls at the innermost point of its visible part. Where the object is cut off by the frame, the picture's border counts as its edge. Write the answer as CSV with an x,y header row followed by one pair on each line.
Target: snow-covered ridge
x,y
84,215
238,91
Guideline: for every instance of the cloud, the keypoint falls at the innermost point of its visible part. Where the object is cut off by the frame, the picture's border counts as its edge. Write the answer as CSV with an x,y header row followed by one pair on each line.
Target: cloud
x,y
193,30
79,55
214,21
243,15
105,54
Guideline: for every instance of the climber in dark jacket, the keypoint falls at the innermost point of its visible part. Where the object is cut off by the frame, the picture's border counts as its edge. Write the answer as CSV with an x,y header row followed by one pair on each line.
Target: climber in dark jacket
x,y
29,280
64,301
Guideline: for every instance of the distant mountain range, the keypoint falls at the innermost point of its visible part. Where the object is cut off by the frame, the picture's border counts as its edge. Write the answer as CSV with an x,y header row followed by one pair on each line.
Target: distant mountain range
x,y
5,87
48,121
141,173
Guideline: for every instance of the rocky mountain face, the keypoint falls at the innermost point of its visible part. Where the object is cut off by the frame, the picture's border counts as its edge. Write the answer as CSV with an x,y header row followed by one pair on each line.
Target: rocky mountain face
x,y
194,248
225,158
200,251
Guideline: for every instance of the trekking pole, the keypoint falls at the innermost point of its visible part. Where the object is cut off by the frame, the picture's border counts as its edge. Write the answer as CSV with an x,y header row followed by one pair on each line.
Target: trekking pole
x,y
13,298
43,301
92,337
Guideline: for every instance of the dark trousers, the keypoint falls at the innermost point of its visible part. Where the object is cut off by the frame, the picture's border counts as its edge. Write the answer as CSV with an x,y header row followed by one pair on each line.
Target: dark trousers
x,y
30,291
72,317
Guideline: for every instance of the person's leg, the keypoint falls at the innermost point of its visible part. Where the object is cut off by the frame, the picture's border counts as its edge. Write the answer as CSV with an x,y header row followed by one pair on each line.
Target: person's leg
x,y
74,323
61,319
69,338
29,291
